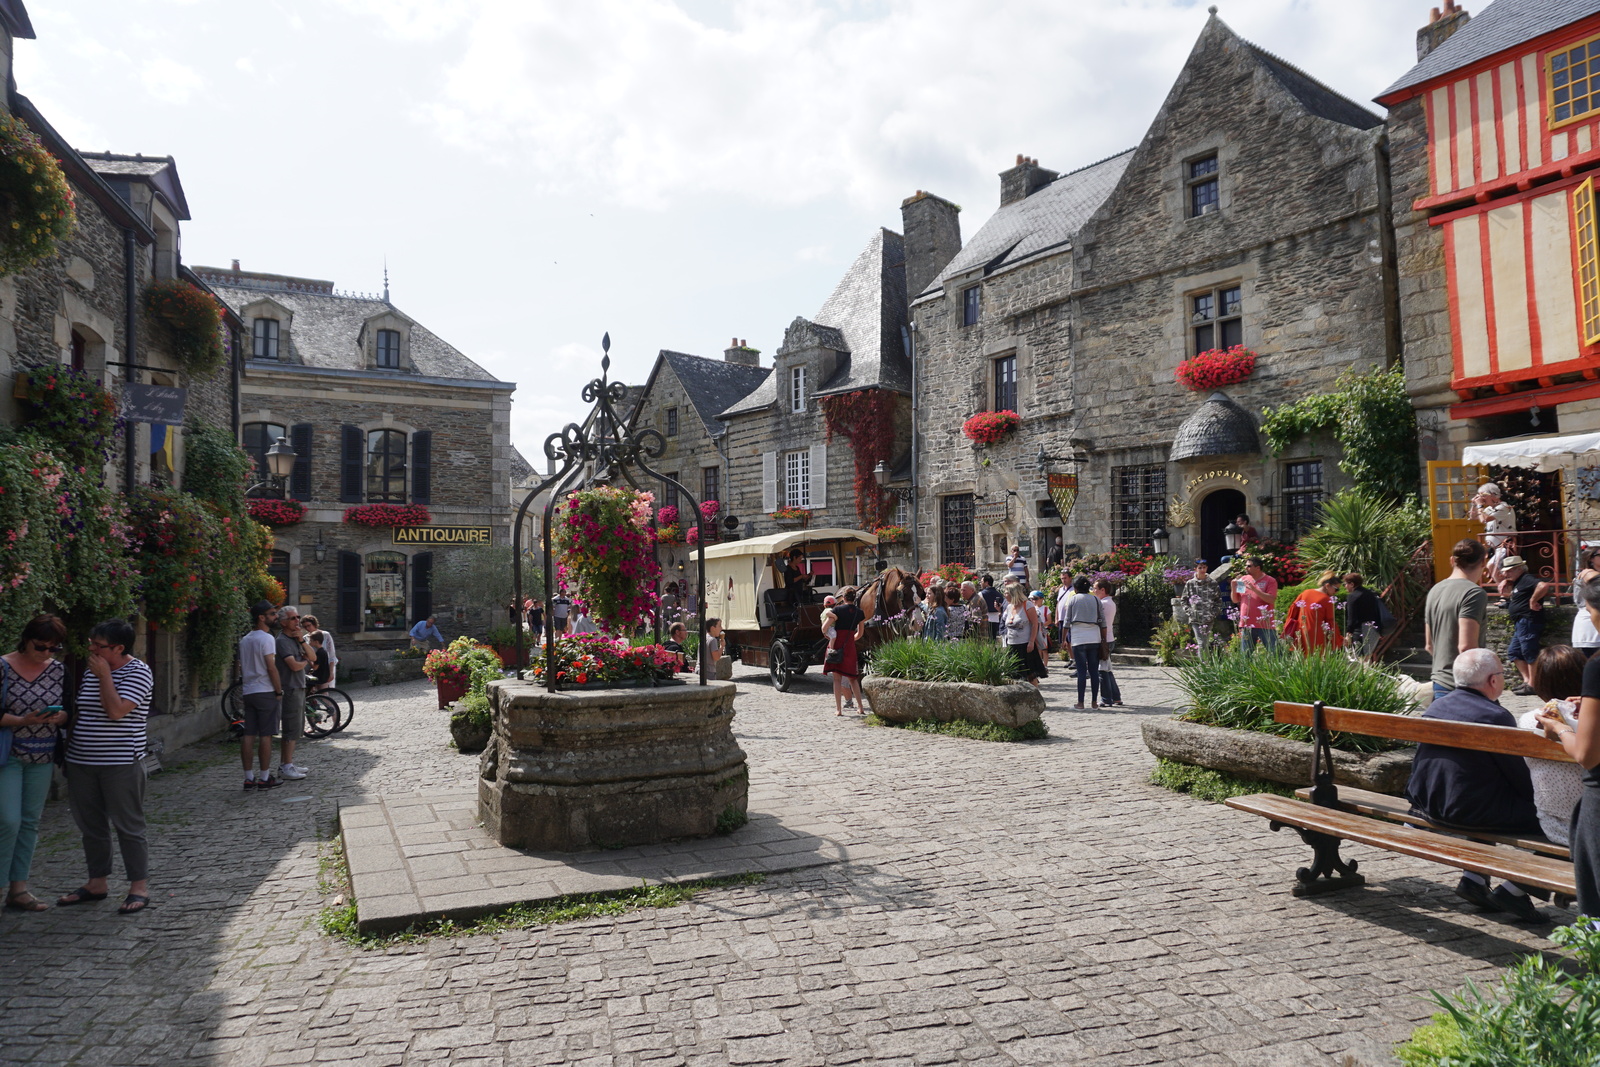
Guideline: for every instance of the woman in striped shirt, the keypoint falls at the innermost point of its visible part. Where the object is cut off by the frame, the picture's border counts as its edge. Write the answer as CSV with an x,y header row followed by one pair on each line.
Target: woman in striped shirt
x,y
105,764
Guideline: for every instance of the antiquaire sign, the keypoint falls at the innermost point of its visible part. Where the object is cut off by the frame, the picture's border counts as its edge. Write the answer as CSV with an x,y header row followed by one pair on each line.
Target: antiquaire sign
x,y
443,535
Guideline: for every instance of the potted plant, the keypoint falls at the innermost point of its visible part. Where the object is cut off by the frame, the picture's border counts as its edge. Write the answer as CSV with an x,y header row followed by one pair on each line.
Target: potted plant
x,y
472,723
991,427
1216,368
271,512
792,516
503,639
454,667
891,534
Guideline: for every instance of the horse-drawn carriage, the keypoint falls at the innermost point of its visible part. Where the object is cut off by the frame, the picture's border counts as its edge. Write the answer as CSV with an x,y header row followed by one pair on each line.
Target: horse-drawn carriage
x,y
767,625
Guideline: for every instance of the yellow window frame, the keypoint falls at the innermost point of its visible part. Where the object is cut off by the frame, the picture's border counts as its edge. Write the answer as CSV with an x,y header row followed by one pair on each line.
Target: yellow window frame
x,y
1583,225
1550,86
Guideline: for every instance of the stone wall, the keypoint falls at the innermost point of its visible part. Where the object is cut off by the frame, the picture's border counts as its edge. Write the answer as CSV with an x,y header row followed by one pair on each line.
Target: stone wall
x,y
690,452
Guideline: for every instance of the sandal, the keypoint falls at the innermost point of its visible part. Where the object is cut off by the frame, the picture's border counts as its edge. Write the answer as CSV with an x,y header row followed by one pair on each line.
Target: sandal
x,y
132,903
79,896
26,902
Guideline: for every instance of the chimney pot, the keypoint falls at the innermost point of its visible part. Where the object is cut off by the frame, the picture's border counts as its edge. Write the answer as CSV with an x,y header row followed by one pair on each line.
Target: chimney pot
x,y
236,264
1442,23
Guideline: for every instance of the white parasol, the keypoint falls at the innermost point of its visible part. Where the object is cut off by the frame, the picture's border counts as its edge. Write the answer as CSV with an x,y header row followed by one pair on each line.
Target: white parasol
x,y
1537,453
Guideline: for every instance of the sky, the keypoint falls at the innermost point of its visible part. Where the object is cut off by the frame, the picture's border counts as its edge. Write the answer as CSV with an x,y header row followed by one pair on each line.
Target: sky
x,y
676,173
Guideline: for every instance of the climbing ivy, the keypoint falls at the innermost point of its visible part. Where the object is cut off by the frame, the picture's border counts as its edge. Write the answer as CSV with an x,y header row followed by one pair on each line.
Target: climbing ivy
x,y
1371,417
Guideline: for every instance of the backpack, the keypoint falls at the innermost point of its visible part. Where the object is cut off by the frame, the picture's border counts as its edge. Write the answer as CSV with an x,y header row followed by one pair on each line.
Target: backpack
x,y
1386,619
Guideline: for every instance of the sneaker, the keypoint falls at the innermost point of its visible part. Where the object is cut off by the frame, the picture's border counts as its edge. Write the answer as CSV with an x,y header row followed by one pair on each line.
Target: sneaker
x,y
268,783
292,771
249,784
1474,891
1519,906
849,702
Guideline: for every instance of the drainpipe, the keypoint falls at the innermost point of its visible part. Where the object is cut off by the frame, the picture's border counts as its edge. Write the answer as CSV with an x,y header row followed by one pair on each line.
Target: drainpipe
x,y
911,354
237,370
130,469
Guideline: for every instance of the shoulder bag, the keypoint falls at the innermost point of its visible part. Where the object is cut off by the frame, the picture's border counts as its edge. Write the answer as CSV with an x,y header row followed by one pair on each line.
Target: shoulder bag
x,y
5,732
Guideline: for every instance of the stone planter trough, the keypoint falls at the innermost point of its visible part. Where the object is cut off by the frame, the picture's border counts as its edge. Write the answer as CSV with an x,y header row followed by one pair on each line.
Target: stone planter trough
x,y
470,738
392,670
1276,759
898,700
606,768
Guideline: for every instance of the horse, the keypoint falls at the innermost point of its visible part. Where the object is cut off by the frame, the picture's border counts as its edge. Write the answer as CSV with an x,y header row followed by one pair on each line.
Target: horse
x,y
892,593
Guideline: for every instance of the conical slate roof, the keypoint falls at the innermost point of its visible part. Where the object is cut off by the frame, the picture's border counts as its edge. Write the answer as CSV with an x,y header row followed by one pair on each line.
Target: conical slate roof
x,y
1219,427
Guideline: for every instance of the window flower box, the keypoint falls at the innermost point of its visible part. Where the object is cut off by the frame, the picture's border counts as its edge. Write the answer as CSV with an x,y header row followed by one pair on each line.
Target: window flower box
x,y
892,534
1216,368
670,534
271,512
792,516
380,515
991,427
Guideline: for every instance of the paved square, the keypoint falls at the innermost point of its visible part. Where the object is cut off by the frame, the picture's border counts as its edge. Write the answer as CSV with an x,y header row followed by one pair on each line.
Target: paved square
x,y
1032,904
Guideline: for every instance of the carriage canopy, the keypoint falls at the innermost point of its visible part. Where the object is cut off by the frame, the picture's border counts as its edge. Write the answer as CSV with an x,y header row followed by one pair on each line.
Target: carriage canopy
x,y
738,573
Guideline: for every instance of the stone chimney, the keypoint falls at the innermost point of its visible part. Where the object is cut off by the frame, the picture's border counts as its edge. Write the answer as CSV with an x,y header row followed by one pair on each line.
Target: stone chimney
x,y
741,353
1023,180
932,227
1442,22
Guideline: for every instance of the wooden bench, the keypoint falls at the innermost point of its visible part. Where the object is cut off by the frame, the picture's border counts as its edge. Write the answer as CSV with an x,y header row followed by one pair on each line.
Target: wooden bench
x,y
1325,815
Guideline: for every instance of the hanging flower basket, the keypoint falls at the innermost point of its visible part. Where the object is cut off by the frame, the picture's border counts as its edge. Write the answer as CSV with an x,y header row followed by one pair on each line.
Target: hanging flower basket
x,y
791,516
378,515
37,211
607,553
276,512
667,516
70,408
192,321
669,535
710,510
1216,368
891,534
989,427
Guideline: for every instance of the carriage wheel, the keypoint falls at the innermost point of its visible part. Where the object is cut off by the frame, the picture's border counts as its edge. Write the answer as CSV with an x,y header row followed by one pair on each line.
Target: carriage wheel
x,y
780,666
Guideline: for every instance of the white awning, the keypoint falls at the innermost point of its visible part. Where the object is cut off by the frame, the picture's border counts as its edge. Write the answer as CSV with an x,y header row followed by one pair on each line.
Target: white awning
x,y
1536,453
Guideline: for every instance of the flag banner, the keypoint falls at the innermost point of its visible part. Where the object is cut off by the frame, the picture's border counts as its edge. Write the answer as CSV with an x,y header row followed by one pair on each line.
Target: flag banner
x,y
1064,491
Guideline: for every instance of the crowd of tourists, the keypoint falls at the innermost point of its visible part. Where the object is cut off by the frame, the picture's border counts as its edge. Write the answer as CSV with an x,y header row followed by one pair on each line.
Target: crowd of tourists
x,y
283,657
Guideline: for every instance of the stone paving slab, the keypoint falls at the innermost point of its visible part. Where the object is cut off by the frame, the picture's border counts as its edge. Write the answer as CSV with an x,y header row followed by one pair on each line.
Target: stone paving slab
x,y
420,857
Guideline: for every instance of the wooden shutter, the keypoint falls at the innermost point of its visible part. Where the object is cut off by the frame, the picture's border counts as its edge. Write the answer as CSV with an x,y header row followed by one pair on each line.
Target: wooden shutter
x,y
421,586
352,464
421,467
300,481
349,592
1451,487
1584,225
769,482
819,476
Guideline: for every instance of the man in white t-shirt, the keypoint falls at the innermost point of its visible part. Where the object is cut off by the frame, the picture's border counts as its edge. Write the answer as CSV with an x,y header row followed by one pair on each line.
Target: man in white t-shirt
x,y
261,695
1499,519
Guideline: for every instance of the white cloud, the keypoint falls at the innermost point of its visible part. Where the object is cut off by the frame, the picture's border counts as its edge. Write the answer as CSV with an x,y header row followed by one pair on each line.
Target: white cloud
x,y
802,100
170,81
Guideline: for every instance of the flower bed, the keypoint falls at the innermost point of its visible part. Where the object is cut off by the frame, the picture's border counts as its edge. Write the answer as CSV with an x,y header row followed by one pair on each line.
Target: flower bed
x,y
988,427
1216,368
589,659
276,512
37,211
607,553
193,321
379,515
915,681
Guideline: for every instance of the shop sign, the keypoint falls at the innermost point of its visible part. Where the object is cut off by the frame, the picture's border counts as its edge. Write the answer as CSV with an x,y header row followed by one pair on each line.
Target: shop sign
x,y
992,513
1064,491
153,403
1231,476
443,535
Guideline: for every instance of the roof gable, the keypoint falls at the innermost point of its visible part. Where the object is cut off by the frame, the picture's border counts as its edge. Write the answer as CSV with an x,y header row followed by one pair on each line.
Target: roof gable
x,y
868,308
712,384
1503,25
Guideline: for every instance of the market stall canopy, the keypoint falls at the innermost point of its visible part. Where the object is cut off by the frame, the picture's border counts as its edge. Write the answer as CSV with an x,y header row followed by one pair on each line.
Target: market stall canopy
x,y
775,543
1535,453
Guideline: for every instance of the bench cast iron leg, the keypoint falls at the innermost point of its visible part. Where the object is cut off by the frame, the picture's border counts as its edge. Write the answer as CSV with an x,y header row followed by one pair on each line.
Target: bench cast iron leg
x,y
1327,873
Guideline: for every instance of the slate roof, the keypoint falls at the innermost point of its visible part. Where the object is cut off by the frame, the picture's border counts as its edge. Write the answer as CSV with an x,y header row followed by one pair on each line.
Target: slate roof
x,y
1047,219
713,384
1315,97
161,172
1219,427
326,325
1503,24
863,317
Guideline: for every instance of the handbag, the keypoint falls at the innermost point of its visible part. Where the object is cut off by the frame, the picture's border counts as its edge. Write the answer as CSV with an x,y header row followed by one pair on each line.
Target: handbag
x,y
835,655
5,732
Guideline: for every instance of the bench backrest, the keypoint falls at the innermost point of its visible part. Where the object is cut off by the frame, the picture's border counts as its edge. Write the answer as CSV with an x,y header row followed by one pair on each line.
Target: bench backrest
x,y
1505,740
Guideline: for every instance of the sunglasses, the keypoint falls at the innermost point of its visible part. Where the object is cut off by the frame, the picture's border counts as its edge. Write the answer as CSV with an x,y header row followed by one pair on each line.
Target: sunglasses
x,y
37,647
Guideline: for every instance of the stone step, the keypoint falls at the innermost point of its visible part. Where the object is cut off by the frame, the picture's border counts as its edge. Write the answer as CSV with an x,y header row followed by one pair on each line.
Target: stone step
x,y
1135,657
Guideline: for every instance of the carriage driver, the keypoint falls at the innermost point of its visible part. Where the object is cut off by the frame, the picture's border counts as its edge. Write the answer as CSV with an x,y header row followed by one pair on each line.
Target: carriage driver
x,y
795,579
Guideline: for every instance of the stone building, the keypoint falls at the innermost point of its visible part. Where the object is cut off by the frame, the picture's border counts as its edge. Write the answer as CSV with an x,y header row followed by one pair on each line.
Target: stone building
x,y
1495,140
1253,211
82,308
379,410
681,400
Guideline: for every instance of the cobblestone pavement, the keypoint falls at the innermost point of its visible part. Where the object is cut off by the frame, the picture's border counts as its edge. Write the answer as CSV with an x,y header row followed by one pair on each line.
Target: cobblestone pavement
x,y
1035,904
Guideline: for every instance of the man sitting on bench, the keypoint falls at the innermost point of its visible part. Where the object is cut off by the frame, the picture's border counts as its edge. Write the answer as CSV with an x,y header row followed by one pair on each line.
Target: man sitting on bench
x,y
1467,790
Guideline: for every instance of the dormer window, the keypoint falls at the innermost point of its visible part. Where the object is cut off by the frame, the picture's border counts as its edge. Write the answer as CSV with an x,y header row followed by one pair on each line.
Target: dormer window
x,y
797,389
389,349
1201,179
265,335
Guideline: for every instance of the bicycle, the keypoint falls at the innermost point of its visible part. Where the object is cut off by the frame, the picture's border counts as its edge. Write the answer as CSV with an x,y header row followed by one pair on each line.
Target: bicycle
x,y
325,714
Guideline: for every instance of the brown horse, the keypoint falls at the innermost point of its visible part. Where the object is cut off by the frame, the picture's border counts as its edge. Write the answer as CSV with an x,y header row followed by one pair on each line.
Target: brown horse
x,y
891,593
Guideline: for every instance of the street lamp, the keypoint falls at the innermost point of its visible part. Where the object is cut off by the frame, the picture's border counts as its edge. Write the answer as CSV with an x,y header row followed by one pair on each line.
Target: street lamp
x,y
1232,536
319,550
880,474
1159,540
280,464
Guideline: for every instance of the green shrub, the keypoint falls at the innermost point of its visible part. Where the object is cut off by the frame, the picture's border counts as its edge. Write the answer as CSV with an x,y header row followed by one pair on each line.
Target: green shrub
x,y
473,710
1544,1013
1236,689
916,660
504,635
971,731
1171,641
1207,784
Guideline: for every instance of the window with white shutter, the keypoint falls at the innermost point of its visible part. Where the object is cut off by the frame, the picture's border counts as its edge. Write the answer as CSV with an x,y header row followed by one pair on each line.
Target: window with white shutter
x,y
797,478
769,482
817,463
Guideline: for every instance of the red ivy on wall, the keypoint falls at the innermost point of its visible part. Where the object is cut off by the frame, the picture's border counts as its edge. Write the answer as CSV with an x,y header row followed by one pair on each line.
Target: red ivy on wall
x,y
865,418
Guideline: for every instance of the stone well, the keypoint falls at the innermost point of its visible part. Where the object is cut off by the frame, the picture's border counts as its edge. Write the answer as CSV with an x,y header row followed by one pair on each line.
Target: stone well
x,y
899,700
604,768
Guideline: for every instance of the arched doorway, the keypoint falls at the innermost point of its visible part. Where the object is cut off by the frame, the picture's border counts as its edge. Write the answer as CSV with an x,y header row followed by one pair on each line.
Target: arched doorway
x,y
1220,507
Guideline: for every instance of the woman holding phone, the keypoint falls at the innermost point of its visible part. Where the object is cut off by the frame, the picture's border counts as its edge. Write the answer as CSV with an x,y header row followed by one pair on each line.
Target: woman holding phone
x,y
33,681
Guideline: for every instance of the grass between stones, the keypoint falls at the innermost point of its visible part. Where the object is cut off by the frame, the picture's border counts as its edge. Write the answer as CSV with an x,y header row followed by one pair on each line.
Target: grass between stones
x,y
972,731
338,920
1204,783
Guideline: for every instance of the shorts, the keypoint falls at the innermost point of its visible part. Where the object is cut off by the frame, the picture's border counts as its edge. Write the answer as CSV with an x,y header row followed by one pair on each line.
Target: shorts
x,y
1525,634
262,714
294,713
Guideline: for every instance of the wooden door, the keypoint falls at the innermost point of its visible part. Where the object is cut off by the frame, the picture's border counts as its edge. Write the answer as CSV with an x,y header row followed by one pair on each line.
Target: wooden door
x,y
1450,490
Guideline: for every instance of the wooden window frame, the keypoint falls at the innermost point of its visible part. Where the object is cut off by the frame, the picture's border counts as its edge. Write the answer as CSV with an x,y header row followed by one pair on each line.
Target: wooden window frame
x,y
971,305
260,339
797,478
393,455
1001,392
381,348
1593,78
1584,227
1218,321
1192,182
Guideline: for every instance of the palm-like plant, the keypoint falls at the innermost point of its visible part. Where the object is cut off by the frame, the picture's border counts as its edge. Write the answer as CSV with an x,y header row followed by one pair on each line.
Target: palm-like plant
x,y
1363,532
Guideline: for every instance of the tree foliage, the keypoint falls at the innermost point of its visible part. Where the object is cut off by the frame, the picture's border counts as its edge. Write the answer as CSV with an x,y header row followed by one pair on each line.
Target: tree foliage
x,y
1371,417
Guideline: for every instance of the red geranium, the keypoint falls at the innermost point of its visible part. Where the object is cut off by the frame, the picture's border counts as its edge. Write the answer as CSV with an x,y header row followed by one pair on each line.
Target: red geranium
x,y
987,427
388,515
1215,368
275,512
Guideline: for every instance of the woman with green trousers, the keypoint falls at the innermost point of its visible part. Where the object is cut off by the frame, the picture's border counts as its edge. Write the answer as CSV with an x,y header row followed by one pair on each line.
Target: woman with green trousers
x,y
32,680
